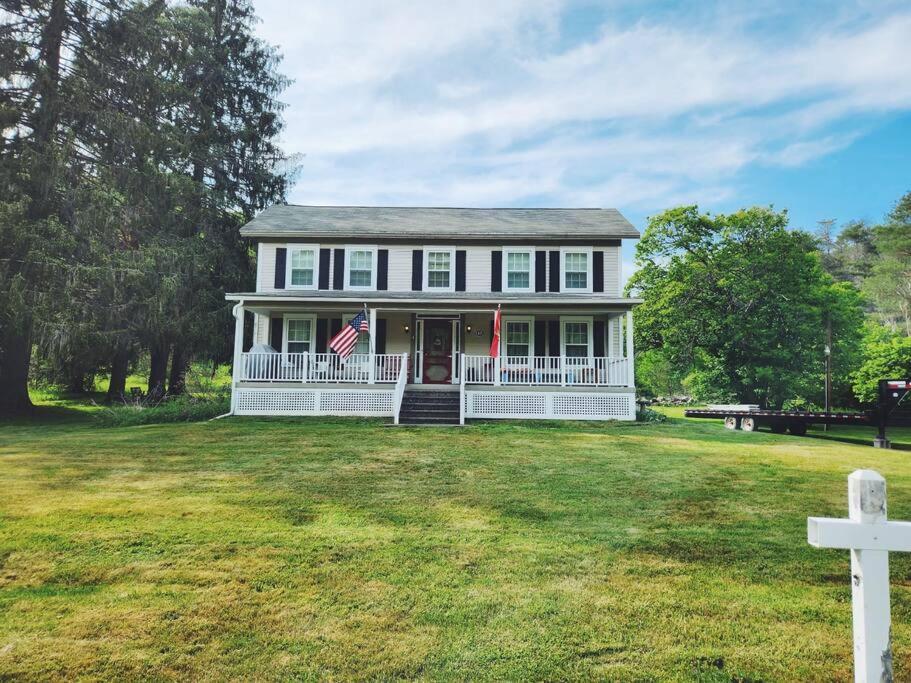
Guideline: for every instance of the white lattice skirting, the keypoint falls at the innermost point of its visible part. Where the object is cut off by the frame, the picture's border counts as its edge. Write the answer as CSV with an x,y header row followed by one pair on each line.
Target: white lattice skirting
x,y
313,402
549,405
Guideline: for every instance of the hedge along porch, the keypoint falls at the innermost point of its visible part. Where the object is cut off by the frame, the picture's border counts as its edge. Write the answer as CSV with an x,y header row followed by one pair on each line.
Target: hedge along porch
x,y
558,360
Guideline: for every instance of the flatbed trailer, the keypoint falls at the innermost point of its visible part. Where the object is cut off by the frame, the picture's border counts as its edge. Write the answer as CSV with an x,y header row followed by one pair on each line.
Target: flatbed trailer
x,y
893,409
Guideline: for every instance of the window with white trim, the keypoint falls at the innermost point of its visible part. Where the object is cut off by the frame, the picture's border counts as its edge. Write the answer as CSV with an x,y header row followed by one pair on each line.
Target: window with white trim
x,y
577,270
361,267
518,338
303,266
577,337
438,272
363,338
298,335
517,265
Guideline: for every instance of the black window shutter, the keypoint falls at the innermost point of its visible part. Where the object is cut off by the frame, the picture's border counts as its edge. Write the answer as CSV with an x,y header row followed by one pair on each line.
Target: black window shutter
x,y
382,269
322,335
554,271
335,326
461,255
541,272
379,343
281,255
324,255
417,270
338,273
598,273
540,336
496,271
598,338
276,332
553,337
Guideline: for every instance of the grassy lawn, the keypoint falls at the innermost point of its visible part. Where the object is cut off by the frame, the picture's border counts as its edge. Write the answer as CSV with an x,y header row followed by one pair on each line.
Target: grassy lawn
x,y
343,549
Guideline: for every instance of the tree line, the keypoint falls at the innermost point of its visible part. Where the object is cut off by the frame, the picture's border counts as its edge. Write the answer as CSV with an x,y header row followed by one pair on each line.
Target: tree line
x,y
742,308
138,136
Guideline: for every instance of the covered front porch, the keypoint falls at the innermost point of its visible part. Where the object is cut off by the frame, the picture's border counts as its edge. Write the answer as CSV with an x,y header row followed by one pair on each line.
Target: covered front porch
x,y
548,350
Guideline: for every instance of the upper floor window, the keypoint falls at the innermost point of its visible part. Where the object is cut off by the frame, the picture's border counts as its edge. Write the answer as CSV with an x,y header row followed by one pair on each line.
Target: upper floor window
x,y
577,270
439,269
361,266
302,267
517,265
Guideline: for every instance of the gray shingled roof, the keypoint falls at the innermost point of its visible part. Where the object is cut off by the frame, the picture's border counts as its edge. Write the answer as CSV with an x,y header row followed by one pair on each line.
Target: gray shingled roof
x,y
285,220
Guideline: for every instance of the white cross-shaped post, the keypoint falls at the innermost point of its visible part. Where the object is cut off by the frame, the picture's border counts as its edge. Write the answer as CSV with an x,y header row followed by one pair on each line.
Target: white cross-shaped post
x,y
869,537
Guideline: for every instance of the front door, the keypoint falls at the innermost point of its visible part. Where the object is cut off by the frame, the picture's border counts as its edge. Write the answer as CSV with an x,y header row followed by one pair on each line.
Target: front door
x,y
437,354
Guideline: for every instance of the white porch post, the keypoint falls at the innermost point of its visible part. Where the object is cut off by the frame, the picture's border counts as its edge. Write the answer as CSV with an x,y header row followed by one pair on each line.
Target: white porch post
x,y
236,371
371,379
630,357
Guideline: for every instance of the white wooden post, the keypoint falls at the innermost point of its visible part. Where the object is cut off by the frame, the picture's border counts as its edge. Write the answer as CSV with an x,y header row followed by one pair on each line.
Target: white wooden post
x,y
869,537
630,357
371,377
496,371
236,371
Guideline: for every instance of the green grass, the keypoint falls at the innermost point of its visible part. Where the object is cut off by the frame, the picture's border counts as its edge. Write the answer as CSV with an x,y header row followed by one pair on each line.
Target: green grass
x,y
315,549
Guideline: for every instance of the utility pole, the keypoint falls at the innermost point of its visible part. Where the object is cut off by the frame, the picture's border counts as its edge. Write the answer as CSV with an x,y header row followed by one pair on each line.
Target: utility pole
x,y
825,238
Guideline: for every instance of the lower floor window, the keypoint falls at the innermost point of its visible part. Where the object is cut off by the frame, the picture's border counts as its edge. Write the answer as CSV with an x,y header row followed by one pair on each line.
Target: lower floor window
x,y
518,338
575,339
363,343
300,332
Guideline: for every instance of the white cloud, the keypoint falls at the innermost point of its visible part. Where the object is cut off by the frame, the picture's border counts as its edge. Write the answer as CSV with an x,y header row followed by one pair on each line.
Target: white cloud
x,y
491,102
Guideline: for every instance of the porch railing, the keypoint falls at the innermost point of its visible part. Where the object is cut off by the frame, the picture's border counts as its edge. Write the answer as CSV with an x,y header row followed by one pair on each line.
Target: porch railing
x,y
565,371
359,368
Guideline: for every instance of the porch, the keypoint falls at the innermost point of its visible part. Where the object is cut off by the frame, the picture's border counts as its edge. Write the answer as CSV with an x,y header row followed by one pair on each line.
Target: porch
x,y
556,360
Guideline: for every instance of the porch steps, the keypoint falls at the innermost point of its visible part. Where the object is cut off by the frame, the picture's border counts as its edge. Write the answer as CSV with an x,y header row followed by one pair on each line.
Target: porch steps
x,y
430,407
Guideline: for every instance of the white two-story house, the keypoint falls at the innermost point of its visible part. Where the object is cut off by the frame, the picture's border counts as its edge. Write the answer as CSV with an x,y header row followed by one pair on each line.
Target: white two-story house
x,y
431,280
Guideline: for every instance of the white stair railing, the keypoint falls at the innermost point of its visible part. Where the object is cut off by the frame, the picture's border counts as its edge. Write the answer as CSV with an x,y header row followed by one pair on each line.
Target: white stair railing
x,y
400,383
462,389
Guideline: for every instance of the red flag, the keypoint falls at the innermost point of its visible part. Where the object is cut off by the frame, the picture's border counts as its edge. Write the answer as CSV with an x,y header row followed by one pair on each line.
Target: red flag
x,y
495,343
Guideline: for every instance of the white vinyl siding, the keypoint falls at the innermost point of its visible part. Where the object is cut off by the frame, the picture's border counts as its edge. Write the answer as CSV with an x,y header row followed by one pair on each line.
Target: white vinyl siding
x,y
477,266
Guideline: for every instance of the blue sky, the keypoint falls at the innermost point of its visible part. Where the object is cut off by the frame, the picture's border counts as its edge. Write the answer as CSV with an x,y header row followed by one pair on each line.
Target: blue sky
x,y
635,105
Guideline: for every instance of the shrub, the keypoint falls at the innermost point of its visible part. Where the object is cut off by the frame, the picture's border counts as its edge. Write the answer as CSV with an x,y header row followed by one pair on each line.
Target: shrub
x,y
170,409
649,415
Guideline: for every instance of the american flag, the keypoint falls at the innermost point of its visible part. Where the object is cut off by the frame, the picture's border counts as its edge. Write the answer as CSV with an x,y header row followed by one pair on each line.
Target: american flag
x,y
344,342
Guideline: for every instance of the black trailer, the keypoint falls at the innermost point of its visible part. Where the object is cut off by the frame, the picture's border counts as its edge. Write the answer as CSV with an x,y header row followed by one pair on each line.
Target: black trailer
x,y
893,409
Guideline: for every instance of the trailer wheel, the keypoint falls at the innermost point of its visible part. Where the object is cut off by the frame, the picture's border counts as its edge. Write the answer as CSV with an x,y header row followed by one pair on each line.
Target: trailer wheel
x,y
731,422
797,428
748,424
778,427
